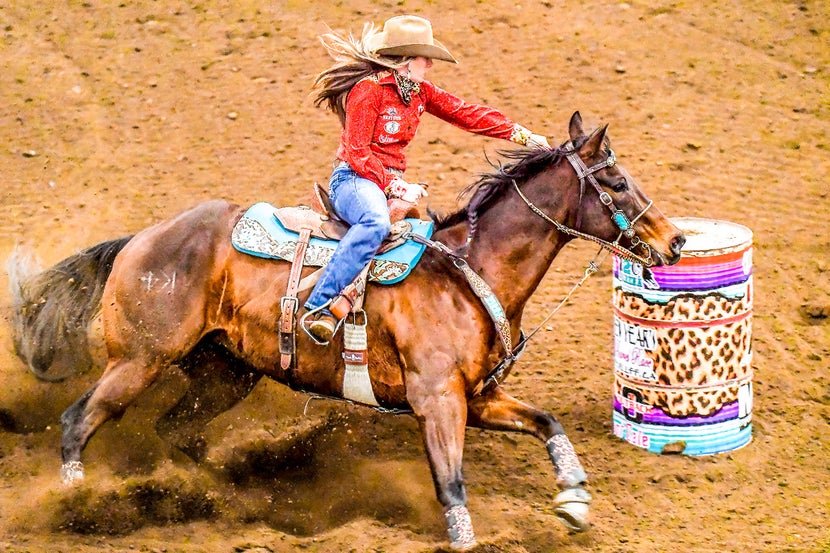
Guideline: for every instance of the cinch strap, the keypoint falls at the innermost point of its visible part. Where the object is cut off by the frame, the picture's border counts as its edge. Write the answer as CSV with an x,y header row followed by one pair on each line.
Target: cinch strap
x,y
357,386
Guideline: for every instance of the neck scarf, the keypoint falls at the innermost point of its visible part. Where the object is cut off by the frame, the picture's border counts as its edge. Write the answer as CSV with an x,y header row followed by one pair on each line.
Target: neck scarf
x,y
406,87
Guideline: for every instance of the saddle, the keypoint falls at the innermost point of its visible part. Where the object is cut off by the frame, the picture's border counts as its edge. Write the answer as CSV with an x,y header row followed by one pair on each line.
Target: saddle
x,y
307,236
274,233
323,223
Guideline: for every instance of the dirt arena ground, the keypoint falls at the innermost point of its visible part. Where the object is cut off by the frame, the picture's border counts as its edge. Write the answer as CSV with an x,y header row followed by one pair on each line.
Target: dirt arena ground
x,y
116,116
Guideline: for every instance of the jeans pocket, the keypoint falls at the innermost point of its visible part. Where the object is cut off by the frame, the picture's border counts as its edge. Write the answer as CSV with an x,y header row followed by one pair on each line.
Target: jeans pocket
x,y
334,184
338,177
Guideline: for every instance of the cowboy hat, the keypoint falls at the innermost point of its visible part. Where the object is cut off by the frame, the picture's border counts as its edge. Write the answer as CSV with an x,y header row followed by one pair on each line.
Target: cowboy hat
x,y
409,35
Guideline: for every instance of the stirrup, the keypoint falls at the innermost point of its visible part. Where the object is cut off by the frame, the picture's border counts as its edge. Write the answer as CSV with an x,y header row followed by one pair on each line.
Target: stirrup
x,y
311,312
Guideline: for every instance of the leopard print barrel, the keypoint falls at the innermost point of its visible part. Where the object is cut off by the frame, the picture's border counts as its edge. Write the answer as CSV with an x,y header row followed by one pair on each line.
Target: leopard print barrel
x,y
683,344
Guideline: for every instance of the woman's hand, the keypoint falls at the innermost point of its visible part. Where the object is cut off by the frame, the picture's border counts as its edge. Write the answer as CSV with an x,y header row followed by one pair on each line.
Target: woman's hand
x,y
403,199
538,141
525,137
409,192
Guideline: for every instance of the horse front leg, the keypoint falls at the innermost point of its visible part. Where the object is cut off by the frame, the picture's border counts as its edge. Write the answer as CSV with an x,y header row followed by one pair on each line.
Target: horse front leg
x,y
441,411
495,410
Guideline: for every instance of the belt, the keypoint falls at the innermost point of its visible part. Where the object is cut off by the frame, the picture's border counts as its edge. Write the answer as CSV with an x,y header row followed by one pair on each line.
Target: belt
x,y
340,163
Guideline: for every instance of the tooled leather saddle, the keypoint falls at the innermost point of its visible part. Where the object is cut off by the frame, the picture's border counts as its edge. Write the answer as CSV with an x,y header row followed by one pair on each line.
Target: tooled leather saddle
x,y
274,233
307,236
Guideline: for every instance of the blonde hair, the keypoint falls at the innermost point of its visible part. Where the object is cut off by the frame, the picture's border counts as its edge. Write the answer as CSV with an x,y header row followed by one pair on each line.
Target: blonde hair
x,y
353,62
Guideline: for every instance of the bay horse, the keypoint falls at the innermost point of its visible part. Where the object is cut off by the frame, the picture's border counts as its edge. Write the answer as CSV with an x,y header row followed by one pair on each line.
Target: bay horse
x,y
179,293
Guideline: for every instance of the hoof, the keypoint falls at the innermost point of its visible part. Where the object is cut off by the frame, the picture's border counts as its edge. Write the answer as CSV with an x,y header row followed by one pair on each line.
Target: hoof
x,y
571,507
460,528
72,472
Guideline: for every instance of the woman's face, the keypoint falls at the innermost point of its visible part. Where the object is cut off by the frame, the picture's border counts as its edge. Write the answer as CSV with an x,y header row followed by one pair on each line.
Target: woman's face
x,y
418,68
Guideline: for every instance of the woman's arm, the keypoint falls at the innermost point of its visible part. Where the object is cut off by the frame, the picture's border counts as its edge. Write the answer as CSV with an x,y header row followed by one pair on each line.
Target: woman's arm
x,y
476,118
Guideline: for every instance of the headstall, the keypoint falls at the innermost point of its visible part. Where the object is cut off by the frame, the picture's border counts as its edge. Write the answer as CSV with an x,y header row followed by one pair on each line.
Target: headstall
x,y
619,217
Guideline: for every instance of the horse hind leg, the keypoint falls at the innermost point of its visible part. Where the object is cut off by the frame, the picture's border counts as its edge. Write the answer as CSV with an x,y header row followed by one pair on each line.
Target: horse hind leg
x,y
120,385
218,381
73,439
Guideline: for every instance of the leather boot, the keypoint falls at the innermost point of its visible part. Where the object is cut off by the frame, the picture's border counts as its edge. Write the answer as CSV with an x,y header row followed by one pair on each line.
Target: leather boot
x,y
322,325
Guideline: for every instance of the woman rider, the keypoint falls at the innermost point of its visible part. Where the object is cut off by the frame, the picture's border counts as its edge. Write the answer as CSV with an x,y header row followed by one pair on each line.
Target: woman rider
x,y
378,89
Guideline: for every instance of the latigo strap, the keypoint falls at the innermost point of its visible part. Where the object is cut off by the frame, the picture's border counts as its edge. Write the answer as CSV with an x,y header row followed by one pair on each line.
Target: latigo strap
x,y
289,303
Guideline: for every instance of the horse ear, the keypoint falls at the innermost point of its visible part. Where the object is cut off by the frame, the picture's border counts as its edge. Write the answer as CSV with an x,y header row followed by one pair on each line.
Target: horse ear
x,y
595,142
575,126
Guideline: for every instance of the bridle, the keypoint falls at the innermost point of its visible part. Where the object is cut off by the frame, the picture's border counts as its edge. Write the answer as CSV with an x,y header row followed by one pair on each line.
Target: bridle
x,y
619,217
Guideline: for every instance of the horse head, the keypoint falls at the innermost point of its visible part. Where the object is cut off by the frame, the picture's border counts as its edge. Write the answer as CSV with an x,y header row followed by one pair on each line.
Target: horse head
x,y
612,206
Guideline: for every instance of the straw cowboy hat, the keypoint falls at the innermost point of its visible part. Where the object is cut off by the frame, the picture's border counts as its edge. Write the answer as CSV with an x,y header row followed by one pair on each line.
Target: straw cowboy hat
x,y
409,35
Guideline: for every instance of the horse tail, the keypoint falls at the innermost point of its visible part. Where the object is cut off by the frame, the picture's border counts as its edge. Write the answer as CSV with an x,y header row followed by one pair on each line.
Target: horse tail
x,y
52,309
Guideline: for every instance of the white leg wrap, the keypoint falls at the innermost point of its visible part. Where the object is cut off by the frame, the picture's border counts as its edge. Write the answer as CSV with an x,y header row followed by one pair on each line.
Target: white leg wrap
x,y
567,464
72,472
460,528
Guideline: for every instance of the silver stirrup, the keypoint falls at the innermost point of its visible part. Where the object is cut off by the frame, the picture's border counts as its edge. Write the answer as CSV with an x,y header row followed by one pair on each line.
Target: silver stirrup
x,y
311,312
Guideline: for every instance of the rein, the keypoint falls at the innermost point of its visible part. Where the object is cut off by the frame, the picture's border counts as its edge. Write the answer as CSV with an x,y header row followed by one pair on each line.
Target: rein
x,y
613,247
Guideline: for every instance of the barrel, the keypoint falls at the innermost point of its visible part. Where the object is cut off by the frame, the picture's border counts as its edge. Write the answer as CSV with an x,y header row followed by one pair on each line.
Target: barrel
x,y
683,344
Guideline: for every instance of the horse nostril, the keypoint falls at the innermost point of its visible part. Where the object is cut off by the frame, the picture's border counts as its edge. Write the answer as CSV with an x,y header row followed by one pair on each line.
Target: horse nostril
x,y
677,243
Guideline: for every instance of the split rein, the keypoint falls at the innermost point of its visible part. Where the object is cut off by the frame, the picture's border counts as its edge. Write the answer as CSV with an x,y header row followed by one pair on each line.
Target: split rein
x,y
488,298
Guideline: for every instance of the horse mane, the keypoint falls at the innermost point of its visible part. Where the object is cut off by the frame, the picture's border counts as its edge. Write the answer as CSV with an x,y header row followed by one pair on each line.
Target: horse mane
x,y
523,164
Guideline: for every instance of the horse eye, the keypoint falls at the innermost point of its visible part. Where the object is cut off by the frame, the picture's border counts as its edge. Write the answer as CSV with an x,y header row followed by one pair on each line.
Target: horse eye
x,y
620,186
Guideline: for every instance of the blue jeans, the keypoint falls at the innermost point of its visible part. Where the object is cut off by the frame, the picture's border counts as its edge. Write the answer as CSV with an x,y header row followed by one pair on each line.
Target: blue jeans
x,y
361,203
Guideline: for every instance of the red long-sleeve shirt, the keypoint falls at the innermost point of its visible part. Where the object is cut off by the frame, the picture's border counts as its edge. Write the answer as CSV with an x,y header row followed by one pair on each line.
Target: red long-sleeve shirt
x,y
379,125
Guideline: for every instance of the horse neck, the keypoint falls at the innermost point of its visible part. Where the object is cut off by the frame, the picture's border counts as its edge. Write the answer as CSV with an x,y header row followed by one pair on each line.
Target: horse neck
x,y
514,247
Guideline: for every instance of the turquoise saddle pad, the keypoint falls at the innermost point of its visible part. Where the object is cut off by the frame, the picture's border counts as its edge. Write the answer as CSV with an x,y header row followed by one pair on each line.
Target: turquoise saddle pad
x,y
260,233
